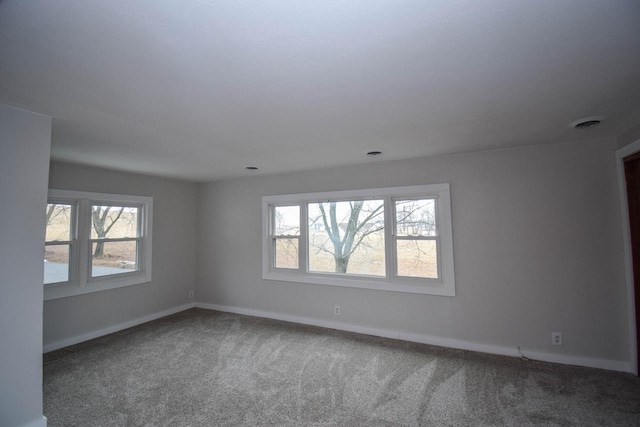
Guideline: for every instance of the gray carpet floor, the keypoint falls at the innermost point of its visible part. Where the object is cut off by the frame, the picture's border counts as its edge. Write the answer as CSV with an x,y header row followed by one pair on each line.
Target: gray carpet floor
x,y
208,368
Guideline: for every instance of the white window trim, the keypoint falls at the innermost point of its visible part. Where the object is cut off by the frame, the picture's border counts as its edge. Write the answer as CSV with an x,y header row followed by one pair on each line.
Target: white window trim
x,y
80,280
443,286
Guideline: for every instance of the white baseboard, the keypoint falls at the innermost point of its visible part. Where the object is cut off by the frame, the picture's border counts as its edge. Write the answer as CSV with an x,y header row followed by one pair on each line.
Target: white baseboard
x,y
111,329
613,365
42,422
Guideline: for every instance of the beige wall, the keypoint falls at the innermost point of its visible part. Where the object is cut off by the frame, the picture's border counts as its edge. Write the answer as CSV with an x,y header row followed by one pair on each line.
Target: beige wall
x,y
537,240
174,254
25,142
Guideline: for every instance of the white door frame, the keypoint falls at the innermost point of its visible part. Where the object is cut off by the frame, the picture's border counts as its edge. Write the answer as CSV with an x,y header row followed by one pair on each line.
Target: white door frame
x,y
621,153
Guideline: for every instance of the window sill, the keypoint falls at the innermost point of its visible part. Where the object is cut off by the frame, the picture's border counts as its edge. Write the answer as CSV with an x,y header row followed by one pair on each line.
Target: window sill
x,y
412,286
70,289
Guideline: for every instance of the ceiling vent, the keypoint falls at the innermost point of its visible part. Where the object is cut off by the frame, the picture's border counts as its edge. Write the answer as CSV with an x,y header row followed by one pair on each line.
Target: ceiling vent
x,y
587,123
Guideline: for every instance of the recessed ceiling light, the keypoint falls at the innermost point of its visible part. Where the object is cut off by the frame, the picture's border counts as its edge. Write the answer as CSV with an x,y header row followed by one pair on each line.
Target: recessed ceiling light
x,y
374,153
586,123
251,168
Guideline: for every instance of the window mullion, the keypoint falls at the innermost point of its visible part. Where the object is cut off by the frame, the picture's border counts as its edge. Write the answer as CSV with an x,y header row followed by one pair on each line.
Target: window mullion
x,y
74,246
303,246
271,235
83,256
389,238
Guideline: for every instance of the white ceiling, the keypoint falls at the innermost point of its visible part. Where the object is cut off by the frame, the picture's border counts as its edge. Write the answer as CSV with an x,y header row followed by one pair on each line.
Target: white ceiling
x,y
199,89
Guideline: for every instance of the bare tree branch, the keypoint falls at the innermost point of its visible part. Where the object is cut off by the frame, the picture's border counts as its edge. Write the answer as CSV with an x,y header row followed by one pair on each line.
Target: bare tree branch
x,y
114,221
50,209
99,217
352,228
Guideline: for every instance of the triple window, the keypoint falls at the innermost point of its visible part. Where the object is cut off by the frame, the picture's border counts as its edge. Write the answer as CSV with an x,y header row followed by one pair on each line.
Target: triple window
x,y
396,239
96,241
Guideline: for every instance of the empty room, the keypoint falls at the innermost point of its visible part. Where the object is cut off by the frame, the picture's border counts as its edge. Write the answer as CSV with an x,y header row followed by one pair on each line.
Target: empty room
x,y
319,213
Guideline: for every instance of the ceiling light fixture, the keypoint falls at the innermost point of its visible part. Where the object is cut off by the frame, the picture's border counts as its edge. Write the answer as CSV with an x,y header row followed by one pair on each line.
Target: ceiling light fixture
x,y
586,123
374,153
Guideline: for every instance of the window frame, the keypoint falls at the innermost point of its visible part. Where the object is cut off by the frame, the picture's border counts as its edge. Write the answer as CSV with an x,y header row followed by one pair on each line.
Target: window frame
x,y
138,239
444,285
395,238
81,279
72,242
274,237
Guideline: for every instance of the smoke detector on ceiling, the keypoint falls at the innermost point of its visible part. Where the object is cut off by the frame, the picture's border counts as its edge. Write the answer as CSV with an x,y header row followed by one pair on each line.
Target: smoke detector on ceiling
x,y
586,123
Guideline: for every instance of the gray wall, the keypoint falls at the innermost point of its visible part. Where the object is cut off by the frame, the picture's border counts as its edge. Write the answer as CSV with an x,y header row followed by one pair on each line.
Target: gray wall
x,y
537,240
25,141
630,135
174,254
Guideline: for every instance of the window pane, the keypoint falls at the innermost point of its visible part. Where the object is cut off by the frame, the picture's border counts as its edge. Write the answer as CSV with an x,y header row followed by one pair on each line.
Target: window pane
x,y
58,222
287,220
347,237
114,258
417,258
114,222
286,253
56,263
416,217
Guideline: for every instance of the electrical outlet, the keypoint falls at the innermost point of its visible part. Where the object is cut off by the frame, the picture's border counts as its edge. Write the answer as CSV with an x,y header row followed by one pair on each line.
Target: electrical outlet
x,y
336,310
191,294
556,338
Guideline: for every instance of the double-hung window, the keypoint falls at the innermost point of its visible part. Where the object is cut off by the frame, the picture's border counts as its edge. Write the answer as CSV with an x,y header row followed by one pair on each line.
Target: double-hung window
x,y
95,242
396,239
61,244
116,238
285,237
415,238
